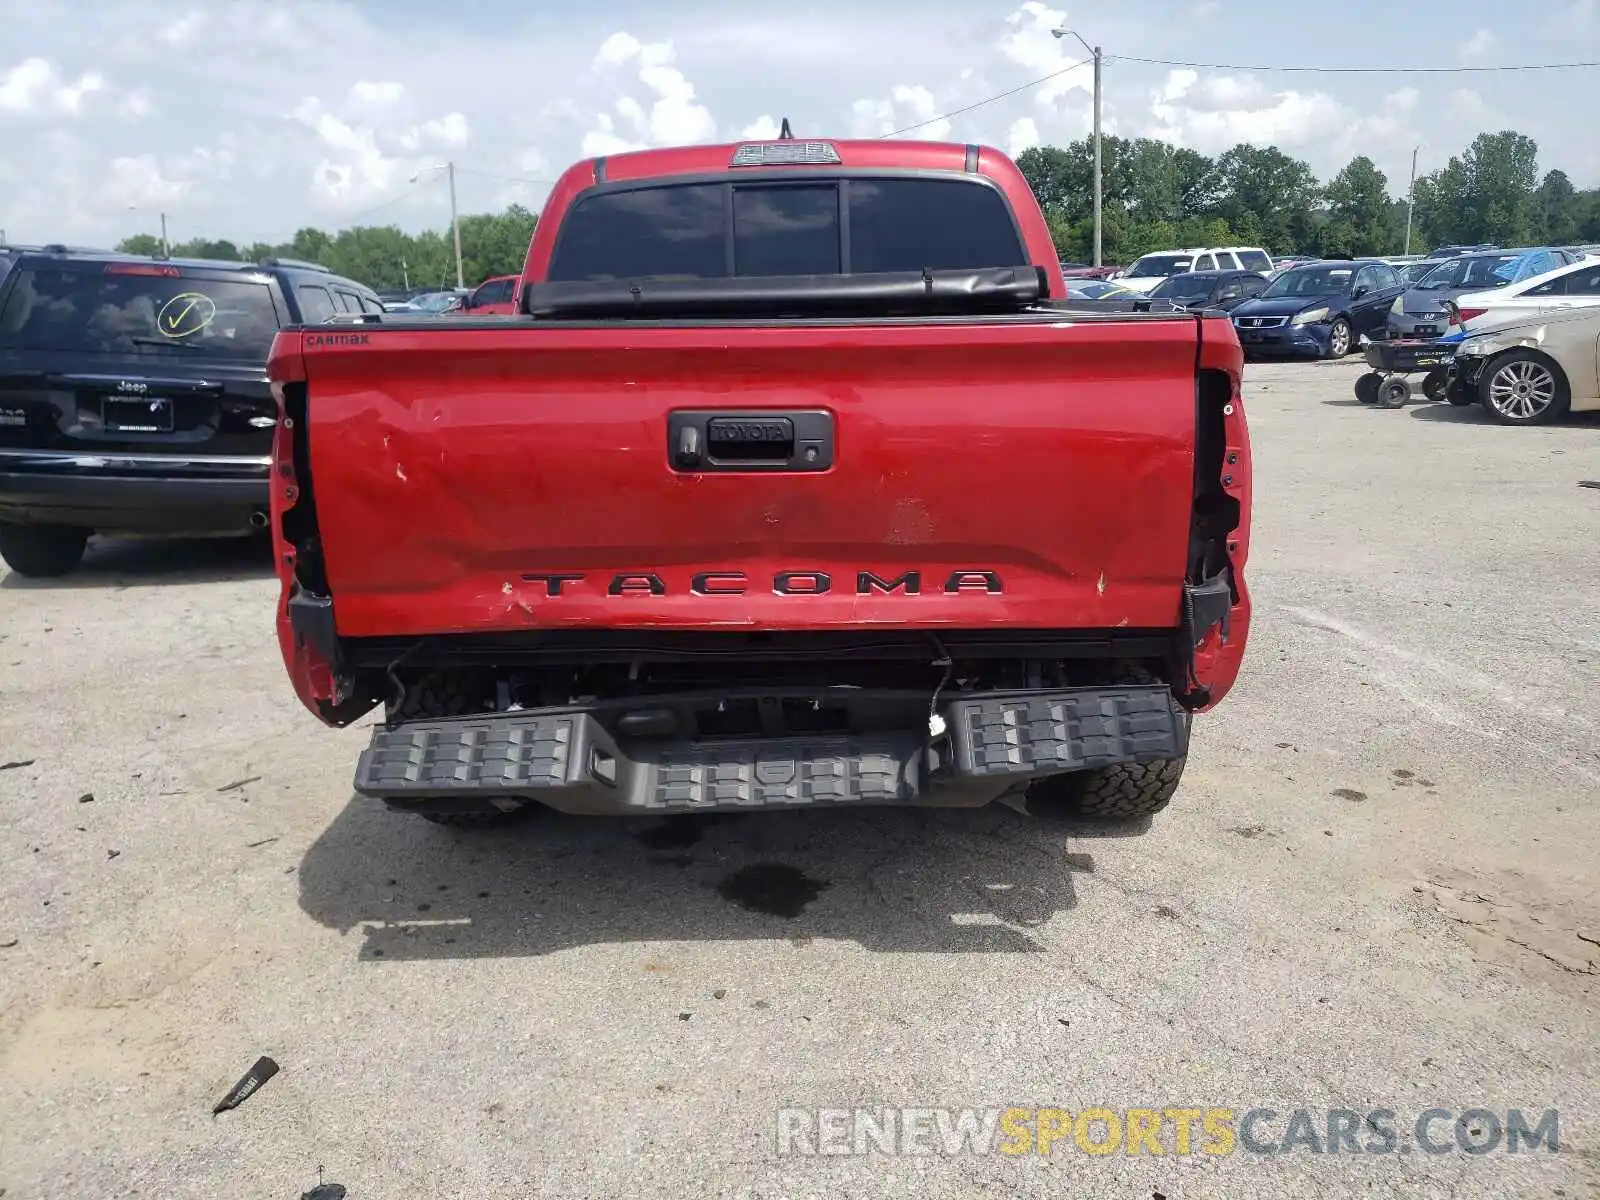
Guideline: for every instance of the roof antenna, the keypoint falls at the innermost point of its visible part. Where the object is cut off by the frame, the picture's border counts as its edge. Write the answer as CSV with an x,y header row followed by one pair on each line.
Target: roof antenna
x,y
786,134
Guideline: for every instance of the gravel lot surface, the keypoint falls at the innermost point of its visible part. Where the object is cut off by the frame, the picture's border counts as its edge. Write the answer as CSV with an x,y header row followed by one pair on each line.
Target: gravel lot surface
x,y
1376,889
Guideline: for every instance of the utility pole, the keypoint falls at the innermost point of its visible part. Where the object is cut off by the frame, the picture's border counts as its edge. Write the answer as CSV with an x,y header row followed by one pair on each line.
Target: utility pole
x,y
455,223
165,250
1411,199
449,168
1099,188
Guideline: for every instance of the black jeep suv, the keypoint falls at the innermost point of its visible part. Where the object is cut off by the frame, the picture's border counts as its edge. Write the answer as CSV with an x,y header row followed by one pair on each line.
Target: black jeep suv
x,y
134,395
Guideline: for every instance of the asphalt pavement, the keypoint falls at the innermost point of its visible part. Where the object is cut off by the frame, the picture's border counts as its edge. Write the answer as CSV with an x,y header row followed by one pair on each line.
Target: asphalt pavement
x,y
1375,891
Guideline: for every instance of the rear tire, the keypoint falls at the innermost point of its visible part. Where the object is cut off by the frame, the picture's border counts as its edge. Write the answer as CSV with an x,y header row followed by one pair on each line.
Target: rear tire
x,y
1124,792
1367,387
1127,791
42,551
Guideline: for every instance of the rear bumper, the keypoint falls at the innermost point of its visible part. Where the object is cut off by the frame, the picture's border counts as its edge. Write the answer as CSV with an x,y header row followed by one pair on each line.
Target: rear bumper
x,y
564,758
1416,325
133,493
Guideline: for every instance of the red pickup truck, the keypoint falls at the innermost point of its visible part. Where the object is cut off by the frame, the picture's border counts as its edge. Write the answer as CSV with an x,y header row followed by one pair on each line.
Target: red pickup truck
x,y
795,481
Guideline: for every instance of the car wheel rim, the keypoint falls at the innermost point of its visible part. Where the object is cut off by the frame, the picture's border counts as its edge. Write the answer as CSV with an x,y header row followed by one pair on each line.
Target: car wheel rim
x,y
1340,339
1522,390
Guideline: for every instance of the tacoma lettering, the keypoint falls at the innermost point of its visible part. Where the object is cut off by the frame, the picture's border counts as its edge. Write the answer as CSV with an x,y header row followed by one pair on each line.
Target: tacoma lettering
x,y
718,583
784,583
867,583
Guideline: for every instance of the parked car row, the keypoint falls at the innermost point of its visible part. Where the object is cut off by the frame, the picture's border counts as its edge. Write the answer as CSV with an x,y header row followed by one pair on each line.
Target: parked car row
x,y
493,295
1147,272
1576,285
1421,312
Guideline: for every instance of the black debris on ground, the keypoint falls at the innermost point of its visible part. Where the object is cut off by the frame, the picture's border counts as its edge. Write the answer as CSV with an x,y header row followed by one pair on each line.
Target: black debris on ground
x,y
248,1085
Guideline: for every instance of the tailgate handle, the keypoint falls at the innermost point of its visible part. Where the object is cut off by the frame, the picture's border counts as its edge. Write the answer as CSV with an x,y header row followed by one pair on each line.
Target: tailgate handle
x,y
702,442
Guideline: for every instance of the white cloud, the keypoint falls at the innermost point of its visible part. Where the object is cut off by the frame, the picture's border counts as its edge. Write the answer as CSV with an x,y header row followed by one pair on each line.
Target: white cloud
x,y
907,105
1226,93
1023,135
444,133
604,140
669,116
34,88
763,129
139,183
353,168
1187,111
1478,47
1030,42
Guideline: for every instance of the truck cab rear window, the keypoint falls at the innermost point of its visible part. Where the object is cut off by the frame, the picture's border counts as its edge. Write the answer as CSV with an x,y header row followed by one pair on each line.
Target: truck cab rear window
x,y
683,231
88,309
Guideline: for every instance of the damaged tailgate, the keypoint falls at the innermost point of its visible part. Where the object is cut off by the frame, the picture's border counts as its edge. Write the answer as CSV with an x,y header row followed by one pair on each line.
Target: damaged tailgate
x,y
1033,470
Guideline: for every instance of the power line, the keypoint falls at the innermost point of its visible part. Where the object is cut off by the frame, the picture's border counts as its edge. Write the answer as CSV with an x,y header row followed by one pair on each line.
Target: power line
x,y
505,178
352,218
1032,83
1205,66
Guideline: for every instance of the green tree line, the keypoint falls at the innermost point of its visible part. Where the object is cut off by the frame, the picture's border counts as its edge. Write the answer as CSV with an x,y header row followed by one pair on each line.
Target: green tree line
x,y
383,256
1158,197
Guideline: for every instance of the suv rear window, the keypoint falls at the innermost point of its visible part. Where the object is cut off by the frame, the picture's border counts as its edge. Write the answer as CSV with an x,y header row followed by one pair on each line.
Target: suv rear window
x,y
780,228
1161,265
93,308
1254,260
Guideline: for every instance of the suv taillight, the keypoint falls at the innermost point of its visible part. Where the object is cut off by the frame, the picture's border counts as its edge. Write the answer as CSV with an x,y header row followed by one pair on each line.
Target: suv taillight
x,y
118,268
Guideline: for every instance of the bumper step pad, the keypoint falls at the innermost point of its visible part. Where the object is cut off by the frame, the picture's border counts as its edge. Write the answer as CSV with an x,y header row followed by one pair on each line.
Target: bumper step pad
x,y
567,759
1050,733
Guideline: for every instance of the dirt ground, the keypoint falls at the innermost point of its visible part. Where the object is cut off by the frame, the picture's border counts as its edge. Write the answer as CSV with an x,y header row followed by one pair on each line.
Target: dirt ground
x,y
1376,889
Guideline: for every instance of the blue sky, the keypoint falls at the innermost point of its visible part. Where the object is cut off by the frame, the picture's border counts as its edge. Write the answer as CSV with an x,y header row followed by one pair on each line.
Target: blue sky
x,y
249,118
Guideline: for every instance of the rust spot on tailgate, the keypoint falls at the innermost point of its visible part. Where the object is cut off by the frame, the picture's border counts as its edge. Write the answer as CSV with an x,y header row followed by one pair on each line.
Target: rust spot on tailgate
x,y
910,523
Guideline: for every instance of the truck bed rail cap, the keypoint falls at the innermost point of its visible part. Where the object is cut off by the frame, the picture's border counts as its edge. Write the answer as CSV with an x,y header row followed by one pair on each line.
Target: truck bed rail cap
x,y
988,289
